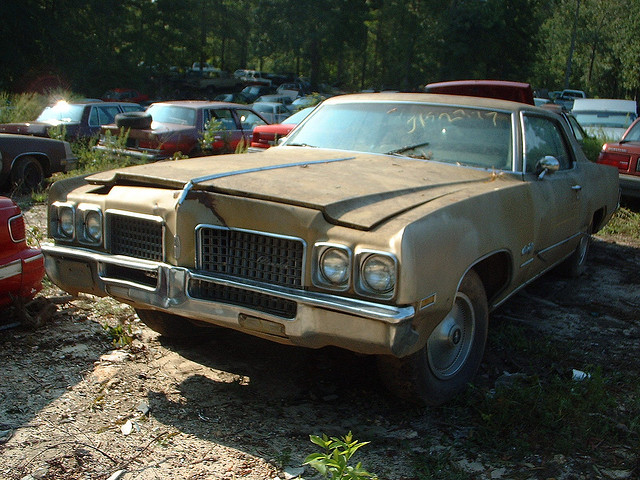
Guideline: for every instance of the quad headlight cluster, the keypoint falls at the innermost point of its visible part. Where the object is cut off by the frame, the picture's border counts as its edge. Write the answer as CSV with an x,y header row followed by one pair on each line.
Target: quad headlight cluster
x,y
370,273
84,223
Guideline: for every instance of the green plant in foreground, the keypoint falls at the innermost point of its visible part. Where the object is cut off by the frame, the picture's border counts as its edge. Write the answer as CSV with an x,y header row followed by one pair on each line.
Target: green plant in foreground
x,y
121,335
334,462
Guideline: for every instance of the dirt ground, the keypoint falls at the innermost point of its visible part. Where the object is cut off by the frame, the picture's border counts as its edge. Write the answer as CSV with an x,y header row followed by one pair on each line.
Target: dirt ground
x,y
72,406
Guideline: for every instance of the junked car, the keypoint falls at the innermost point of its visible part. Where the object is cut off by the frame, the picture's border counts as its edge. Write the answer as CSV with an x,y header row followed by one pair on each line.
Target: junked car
x,y
168,128
77,120
25,161
625,156
21,266
387,224
605,117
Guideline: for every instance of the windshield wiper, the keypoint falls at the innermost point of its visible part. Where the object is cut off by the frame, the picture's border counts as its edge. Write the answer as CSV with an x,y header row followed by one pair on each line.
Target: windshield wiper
x,y
407,147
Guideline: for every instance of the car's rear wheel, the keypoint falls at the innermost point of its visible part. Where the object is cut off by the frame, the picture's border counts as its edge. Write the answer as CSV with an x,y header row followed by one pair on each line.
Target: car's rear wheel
x,y
27,174
453,352
172,326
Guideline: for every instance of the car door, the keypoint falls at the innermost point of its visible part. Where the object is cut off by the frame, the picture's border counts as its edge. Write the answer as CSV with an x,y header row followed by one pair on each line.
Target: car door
x,y
227,133
555,196
248,120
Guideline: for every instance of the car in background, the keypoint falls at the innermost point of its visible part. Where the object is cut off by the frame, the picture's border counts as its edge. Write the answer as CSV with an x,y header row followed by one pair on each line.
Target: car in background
x,y
79,120
388,224
499,89
234,97
567,97
25,161
625,156
254,91
169,128
604,117
273,112
254,77
21,267
274,98
265,136
125,95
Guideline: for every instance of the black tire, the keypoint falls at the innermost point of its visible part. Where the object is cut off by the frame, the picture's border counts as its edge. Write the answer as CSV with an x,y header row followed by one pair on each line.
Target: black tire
x,y
451,357
137,120
576,264
172,326
27,174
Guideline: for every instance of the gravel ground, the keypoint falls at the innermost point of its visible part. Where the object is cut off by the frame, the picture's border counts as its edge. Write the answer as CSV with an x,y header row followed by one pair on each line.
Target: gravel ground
x,y
74,406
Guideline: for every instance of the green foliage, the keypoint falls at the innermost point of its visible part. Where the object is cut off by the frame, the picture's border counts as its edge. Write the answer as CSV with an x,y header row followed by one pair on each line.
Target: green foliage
x,y
333,463
120,335
591,147
624,222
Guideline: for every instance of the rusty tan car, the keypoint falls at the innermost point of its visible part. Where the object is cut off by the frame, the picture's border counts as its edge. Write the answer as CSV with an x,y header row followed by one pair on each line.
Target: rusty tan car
x,y
388,224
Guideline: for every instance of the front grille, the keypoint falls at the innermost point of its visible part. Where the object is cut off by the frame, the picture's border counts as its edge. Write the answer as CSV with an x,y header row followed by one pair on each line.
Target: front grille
x,y
244,298
135,237
269,259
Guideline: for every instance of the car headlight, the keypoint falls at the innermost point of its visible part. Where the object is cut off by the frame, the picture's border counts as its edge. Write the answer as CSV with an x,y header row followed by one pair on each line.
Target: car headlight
x,y
93,226
66,222
334,265
378,273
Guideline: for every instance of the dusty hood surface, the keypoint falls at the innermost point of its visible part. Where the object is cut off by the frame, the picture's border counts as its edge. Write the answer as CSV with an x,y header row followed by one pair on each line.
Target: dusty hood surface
x,y
352,189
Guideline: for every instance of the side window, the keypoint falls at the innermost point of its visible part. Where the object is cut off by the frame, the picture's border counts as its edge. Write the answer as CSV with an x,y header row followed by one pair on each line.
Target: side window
x,y
224,116
107,114
248,119
93,117
542,137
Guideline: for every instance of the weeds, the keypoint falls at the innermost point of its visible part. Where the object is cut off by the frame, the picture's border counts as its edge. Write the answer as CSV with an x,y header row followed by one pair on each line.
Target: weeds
x,y
334,462
624,222
120,335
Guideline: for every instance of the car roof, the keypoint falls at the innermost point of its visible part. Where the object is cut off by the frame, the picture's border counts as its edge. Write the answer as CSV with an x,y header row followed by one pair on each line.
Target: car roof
x,y
461,100
499,89
200,104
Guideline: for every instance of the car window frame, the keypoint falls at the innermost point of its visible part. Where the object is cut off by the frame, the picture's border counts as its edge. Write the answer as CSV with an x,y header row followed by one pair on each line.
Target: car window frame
x,y
560,127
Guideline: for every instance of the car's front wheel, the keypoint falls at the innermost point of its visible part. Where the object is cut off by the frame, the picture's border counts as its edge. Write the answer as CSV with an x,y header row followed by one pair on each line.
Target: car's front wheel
x,y
453,352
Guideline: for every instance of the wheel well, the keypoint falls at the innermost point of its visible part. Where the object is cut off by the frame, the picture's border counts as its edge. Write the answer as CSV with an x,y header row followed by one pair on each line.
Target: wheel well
x,y
494,271
42,159
598,218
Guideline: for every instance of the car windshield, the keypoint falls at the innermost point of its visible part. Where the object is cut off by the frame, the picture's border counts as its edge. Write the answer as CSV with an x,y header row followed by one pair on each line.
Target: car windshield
x,y
633,135
62,112
445,133
605,119
172,114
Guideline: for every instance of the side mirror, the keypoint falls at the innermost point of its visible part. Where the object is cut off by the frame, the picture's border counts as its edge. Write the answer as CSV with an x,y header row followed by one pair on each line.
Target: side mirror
x,y
547,164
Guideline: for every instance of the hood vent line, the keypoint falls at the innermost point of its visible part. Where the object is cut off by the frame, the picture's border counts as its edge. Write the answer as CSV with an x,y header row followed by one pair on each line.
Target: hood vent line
x,y
187,188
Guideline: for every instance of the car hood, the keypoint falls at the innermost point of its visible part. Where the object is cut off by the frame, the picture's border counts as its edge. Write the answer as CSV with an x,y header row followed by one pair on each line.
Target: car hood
x,y
352,189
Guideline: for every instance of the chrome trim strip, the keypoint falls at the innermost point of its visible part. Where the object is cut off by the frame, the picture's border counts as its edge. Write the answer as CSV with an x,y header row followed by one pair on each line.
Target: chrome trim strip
x,y
10,270
13,239
187,188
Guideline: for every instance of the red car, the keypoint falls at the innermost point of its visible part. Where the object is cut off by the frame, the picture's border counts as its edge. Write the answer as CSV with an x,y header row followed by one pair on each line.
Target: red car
x,y
125,95
499,89
624,156
265,136
21,267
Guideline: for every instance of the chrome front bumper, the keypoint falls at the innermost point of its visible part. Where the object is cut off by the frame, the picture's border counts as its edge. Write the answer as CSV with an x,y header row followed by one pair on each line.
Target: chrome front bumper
x,y
320,319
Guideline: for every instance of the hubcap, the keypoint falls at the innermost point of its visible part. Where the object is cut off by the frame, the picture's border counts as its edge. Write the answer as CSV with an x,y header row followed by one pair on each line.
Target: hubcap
x,y
450,343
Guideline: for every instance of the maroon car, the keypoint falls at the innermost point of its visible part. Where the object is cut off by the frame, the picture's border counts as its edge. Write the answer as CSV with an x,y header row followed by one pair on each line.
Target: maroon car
x,y
624,155
78,119
21,267
171,127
